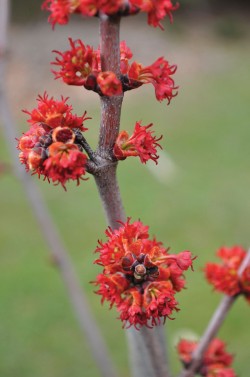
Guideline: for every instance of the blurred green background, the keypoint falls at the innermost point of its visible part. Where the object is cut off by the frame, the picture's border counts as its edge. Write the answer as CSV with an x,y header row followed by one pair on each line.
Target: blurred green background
x,y
197,200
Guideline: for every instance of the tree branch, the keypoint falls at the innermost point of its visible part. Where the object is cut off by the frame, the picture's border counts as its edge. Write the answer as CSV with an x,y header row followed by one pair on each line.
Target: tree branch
x,y
146,347
110,106
213,327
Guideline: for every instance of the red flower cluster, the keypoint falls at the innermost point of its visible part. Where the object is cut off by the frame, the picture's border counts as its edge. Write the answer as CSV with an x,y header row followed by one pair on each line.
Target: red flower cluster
x,y
139,277
224,277
141,143
61,10
77,64
158,74
216,361
81,65
52,146
157,10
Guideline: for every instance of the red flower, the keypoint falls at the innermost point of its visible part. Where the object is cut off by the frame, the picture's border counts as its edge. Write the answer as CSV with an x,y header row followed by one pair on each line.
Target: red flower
x,y
141,143
81,65
111,6
63,134
35,159
77,63
215,361
30,148
218,371
216,354
125,55
224,277
88,7
65,162
161,9
156,9
159,74
185,349
137,275
62,9
109,84
52,146
31,137
51,114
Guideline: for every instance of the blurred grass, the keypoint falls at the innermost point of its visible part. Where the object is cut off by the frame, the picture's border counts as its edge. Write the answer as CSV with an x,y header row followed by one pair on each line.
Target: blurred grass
x,y
205,205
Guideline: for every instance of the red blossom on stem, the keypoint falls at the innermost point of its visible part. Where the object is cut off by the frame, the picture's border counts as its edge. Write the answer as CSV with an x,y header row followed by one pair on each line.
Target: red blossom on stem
x,y
225,277
110,6
216,361
76,64
158,74
60,10
52,146
157,10
65,162
81,65
137,276
125,55
51,114
141,143
109,84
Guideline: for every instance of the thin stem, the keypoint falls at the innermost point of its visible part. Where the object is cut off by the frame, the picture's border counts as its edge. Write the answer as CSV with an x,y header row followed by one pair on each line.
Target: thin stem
x,y
110,123
58,252
110,43
83,142
110,195
213,326
146,347
110,106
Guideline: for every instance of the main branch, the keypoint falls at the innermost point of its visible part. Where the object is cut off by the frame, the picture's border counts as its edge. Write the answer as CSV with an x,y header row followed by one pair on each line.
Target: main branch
x,y
110,106
147,346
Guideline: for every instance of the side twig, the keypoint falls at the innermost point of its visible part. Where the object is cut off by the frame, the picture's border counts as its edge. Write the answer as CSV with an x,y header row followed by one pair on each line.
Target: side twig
x,y
213,326
59,254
